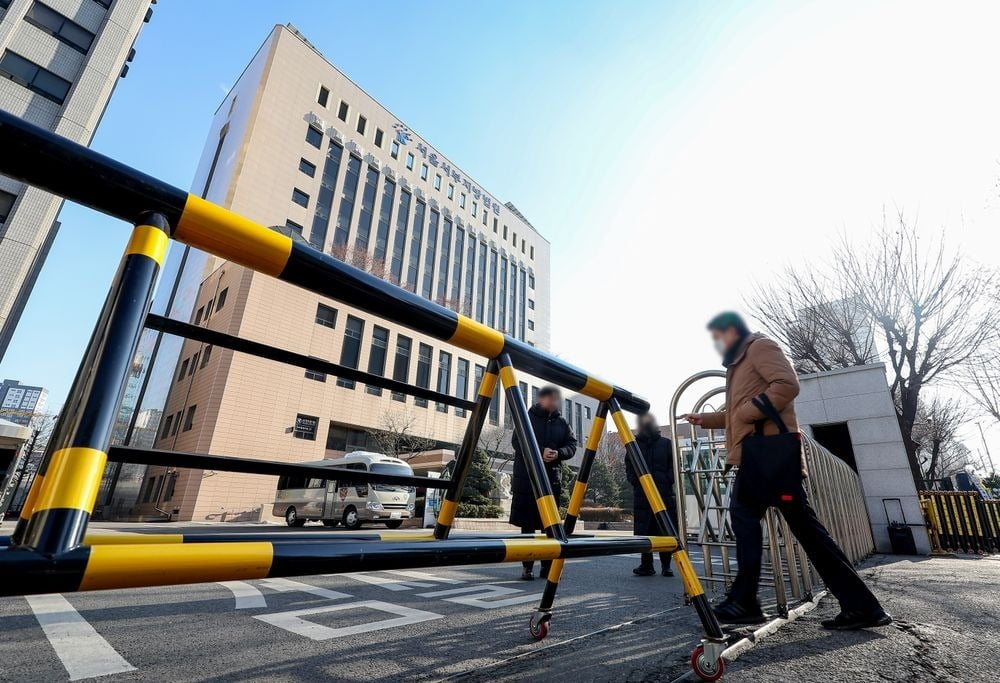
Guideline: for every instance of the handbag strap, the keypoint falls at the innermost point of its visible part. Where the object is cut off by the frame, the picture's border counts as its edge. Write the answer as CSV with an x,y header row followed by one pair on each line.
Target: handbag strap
x,y
765,406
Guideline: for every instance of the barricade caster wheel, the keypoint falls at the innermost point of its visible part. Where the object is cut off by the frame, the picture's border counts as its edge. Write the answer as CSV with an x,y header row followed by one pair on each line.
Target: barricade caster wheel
x,y
539,625
704,668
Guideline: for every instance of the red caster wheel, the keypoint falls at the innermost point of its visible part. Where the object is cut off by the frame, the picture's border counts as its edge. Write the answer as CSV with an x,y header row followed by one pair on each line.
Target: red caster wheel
x,y
539,625
705,669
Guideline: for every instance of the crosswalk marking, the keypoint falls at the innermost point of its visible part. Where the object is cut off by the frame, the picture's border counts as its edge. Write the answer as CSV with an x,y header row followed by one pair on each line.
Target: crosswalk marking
x,y
388,583
80,648
287,585
293,622
424,576
247,596
481,593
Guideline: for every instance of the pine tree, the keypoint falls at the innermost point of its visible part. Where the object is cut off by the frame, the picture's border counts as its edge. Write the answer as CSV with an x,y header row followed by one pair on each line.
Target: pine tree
x,y
603,487
480,482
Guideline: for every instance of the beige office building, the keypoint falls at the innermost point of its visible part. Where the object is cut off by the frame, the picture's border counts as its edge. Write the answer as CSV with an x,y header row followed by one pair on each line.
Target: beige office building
x,y
298,146
59,63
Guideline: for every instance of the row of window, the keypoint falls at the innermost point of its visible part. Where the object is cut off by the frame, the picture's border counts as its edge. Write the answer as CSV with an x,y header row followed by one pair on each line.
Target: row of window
x,y
164,484
60,27
173,422
343,111
34,77
205,312
190,365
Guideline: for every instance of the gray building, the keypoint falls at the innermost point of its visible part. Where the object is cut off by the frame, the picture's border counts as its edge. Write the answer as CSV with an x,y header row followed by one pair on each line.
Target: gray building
x,y
20,403
59,63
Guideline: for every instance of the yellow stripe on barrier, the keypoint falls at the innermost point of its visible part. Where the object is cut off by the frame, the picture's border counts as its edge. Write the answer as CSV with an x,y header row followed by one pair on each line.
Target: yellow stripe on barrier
x,y
624,431
662,544
652,493
688,576
598,389
596,434
478,338
72,479
129,566
556,570
548,510
148,241
447,513
522,549
29,503
230,236
576,499
507,377
488,384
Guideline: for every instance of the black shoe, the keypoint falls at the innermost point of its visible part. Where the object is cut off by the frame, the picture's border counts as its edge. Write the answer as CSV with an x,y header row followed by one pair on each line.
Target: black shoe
x,y
849,621
527,575
729,612
644,570
667,571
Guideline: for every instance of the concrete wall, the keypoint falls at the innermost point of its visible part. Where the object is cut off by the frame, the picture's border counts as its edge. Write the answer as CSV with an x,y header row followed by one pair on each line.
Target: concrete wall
x,y
860,397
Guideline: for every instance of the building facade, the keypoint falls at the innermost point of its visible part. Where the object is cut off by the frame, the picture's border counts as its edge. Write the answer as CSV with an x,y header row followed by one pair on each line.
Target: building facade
x,y
20,403
298,146
59,63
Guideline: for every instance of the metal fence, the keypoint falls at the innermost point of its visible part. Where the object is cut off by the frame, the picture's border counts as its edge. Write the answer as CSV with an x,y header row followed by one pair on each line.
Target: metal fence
x,y
704,485
961,521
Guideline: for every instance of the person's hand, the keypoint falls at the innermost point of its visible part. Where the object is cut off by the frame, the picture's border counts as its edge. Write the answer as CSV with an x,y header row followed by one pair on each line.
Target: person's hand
x,y
549,454
693,418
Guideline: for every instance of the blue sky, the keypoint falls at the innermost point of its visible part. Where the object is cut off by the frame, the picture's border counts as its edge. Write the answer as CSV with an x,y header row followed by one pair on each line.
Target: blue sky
x,y
672,152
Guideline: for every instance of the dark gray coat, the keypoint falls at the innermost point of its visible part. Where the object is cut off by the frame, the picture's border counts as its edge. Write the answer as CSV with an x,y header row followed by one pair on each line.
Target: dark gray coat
x,y
658,454
551,431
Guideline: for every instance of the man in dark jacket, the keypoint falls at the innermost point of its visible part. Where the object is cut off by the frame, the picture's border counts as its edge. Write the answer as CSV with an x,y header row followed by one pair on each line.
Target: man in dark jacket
x,y
658,454
557,443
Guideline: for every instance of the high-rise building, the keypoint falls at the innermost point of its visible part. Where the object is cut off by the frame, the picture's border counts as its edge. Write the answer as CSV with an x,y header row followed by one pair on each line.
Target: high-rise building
x,y
59,63
297,145
20,403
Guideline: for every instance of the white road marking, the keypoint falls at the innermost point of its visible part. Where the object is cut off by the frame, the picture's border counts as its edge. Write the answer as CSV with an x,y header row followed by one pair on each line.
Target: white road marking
x,y
247,596
293,622
287,585
81,649
424,576
386,582
483,592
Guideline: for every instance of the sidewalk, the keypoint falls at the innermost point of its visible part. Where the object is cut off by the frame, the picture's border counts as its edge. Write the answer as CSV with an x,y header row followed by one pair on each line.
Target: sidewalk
x,y
947,628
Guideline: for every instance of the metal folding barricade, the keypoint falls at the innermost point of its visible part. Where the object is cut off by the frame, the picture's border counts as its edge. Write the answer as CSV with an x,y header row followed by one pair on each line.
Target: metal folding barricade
x,y
50,550
961,521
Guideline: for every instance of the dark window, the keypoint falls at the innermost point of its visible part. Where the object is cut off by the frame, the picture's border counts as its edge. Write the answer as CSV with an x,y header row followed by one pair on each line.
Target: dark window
x,y
484,217
456,271
532,252
416,241
189,418
394,150
399,244
481,287
293,225
168,492
505,232
307,167
378,137
324,96
384,216
206,355
53,23
362,124
300,197
401,364
305,427
424,356
326,316
531,324
314,137
377,355
33,77
531,304
451,191
367,209
184,368
512,327
437,181
150,485
6,205
336,440
502,296
495,405
444,378
409,160
316,376
531,281
177,422
430,255
194,363
221,301
350,352
462,383
522,313
103,3
480,371
470,274
837,438
491,290
423,171
534,395
579,421
342,111
324,200
208,308
587,410
166,426
443,263
346,210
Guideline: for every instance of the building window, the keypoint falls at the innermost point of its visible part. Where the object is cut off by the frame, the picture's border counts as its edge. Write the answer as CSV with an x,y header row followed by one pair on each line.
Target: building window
x,y
523,243
342,111
512,326
166,427
409,160
346,210
534,395
495,405
55,24
106,4
444,263
394,150
399,244
481,287
456,271
221,300
444,378
484,217
384,216
6,205
206,355
378,137
531,254
314,136
316,376
194,363
377,356
579,421
177,422
326,315
293,226
437,181
416,242
362,124
475,207
401,364
462,383
470,274
461,200
587,409
423,171
514,239
430,255
183,370
305,427
491,290
367,210
350,352
531,324
424,355
451,191
324,96
33,77
531,304
495,225
502,296
505,232
150,485
189,419
531,281
300,197
307,167
324,200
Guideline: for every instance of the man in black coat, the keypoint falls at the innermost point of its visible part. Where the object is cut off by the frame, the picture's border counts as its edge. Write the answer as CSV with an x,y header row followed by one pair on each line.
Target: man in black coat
x,y
658,454
557,443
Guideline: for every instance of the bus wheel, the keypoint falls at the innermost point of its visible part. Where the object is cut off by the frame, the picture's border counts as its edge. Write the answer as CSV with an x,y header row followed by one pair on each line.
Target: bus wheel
x,y
351,519
394,524
292,518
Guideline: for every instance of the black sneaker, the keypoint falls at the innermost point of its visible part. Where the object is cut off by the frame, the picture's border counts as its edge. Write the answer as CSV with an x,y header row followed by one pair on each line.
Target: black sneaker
x,y
527,575
643,570
729,612
849,621
667,571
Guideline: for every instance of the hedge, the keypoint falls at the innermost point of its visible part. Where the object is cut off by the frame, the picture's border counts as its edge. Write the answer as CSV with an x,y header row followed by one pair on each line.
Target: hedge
x,y
488,511
603,515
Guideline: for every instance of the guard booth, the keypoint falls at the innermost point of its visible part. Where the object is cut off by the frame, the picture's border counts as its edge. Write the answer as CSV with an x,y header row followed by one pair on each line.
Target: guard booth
x,y
50,549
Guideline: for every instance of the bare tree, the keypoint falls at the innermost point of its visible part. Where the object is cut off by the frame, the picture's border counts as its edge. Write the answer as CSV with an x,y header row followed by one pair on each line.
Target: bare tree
x,y
982,384
935,433
495,442
927,306
396,436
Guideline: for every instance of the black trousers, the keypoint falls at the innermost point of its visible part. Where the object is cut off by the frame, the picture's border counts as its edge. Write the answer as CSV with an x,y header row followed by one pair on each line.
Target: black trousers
x,y
644,524
530,564
833,566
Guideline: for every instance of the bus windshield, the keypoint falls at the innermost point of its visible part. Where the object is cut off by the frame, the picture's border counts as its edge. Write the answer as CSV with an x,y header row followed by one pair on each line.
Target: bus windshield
x,y
391,468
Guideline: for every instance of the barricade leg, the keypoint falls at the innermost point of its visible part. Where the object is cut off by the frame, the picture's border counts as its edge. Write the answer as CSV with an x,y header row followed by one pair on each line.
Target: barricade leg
x,y
708,660
583,476
65,488
466,452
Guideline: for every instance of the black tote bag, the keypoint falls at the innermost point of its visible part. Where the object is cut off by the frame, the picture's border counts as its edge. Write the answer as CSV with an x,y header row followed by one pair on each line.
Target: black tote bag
x,y
771,466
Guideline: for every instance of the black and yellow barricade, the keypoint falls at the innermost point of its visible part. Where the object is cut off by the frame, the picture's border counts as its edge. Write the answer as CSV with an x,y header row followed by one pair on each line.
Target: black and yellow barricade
x,y
961,521
50,550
